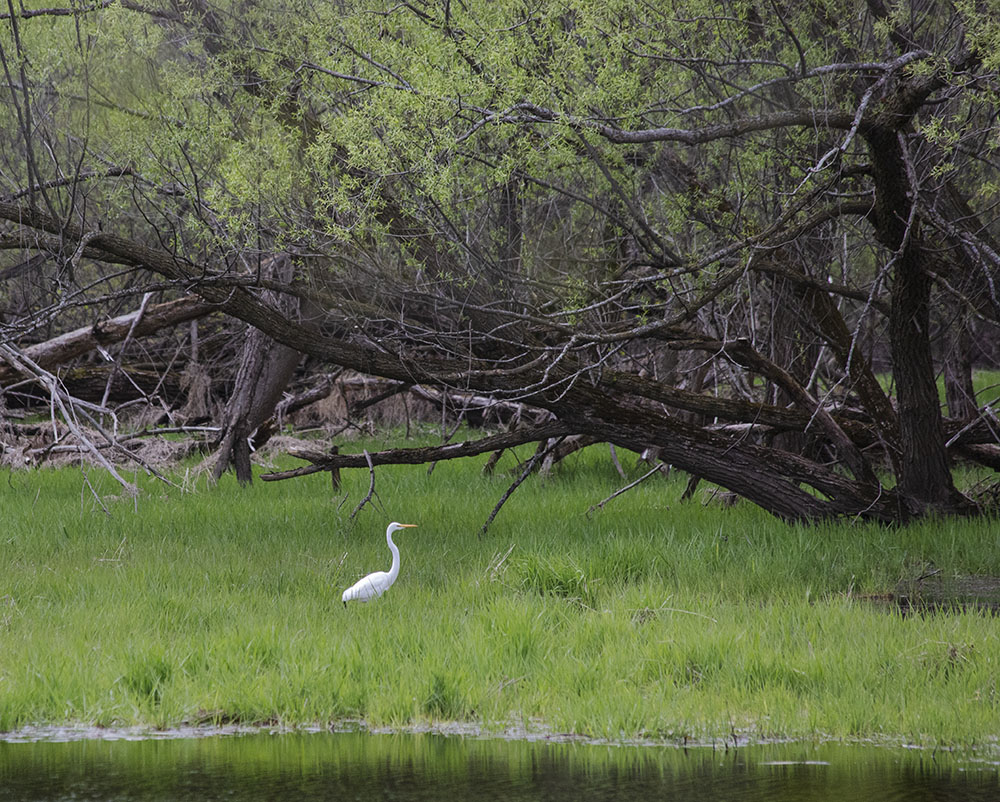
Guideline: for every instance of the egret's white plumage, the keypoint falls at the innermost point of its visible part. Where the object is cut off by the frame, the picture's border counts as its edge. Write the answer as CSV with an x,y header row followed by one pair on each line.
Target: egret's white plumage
x,y
377,583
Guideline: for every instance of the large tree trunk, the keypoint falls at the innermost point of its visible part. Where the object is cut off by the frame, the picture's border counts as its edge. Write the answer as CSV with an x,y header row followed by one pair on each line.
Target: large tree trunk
x,y
266,368
925,481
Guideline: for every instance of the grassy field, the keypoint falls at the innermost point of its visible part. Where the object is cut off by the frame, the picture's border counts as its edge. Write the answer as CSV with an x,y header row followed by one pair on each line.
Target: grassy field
x,y
648,619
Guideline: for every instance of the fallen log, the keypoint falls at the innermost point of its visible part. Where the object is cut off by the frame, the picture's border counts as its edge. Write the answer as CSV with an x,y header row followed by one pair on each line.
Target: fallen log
x,y
60,350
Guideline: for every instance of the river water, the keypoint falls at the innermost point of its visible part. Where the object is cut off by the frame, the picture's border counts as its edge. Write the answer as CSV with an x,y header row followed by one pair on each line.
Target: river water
x,y
405,768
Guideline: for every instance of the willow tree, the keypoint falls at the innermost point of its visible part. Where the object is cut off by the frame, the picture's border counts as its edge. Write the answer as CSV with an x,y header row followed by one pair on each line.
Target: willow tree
x,y
699,227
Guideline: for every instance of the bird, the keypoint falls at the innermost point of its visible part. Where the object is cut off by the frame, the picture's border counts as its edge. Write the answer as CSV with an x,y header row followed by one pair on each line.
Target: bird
x,y
377,583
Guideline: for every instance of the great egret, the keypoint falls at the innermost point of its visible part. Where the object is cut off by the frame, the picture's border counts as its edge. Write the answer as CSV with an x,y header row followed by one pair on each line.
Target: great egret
x,y
377,583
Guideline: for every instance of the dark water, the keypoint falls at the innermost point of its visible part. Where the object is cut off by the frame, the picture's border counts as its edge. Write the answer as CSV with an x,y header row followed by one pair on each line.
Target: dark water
x,y
305,767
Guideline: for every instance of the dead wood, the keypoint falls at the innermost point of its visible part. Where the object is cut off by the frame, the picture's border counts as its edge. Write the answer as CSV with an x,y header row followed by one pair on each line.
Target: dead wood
x,y
325,461
62,349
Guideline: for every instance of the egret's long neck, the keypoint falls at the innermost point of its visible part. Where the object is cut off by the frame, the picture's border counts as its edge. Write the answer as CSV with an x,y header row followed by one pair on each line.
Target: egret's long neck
x,y
394,571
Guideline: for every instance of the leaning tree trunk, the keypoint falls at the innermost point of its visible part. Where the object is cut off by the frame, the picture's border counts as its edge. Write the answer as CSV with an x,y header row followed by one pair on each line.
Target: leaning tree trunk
x,y
266,367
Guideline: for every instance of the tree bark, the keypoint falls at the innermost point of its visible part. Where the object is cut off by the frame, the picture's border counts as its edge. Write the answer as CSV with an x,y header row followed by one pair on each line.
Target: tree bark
x,y
266,367
925,481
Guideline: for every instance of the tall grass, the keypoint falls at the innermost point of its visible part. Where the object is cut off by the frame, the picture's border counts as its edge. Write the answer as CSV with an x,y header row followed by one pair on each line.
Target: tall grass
x,y
649,619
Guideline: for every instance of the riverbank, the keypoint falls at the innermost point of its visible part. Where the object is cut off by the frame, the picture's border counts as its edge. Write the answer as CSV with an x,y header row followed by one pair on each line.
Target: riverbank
x,y
538,733
650,620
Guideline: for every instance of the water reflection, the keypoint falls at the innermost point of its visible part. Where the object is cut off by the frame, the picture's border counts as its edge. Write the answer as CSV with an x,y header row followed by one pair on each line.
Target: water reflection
x,y
423,767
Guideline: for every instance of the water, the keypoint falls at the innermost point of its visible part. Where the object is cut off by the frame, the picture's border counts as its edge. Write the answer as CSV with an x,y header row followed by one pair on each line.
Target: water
x,y
408,768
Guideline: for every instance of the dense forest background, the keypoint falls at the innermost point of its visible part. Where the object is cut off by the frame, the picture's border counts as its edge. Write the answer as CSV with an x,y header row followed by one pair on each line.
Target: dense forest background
x,y
757,241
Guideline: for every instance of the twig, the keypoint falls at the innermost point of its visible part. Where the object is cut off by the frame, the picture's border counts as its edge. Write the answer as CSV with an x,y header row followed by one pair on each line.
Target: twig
x,y
614,460
93,492
688,612
169,430
364,403
371,485
625,489
121,447
536,458
447,438
117,364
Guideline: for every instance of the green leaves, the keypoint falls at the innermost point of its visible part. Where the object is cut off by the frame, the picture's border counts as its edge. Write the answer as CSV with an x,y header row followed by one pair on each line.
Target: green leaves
x,y
377,133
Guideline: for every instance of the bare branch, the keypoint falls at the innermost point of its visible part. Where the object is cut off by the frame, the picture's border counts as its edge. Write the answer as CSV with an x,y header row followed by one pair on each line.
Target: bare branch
x,y
371,486
536,458
25,13
528,113
66,404
600,505
322,461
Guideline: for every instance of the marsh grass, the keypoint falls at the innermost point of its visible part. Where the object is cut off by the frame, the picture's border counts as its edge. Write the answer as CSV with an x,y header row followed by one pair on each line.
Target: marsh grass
x,y
648,619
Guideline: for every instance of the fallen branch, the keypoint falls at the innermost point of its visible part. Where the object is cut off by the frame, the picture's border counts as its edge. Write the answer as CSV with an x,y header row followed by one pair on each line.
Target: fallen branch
x,y
483,406
170,430
67,405
600,506
615,462
371,486
325,461
321,390
116,366
539,455
364,403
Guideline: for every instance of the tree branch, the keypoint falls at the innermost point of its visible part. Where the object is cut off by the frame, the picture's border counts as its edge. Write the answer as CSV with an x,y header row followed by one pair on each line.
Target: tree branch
x,y
322,461
537,457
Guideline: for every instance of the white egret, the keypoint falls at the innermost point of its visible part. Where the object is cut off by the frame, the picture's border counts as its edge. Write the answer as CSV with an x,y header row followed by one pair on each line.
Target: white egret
x,y
377,583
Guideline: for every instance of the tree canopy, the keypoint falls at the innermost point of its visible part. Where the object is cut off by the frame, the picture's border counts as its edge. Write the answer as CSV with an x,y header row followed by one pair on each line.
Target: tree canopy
x,y
707,228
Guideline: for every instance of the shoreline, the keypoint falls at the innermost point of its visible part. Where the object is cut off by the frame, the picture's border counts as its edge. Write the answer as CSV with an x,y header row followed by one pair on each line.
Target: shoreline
x,y
69,733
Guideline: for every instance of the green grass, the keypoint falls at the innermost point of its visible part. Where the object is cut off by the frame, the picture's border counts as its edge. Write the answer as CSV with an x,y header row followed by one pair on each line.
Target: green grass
x,y
649,619
985,383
